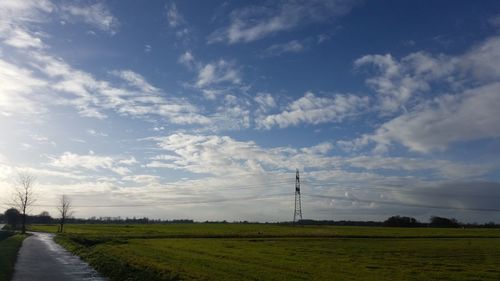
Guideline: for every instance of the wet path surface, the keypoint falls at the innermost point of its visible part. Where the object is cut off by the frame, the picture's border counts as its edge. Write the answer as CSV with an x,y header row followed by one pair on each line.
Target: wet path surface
x,y
41,259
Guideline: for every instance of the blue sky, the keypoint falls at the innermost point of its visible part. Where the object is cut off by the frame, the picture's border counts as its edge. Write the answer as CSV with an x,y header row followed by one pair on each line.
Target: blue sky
x,y
203,110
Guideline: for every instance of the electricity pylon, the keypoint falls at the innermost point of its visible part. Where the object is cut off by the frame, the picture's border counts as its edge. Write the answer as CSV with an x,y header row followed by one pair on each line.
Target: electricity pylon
x,y
297,214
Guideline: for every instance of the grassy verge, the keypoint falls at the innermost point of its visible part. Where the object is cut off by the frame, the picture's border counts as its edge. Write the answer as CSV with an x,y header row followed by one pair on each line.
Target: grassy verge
x,y
9,246
178,252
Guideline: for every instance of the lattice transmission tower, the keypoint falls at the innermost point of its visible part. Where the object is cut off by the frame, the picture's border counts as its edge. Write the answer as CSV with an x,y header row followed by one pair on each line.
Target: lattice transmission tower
x,y
297,214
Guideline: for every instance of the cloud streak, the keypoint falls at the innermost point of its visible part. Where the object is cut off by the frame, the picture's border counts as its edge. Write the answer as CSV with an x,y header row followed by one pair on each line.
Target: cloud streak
x,y
17,87
293,46
71,161
96,15
252,23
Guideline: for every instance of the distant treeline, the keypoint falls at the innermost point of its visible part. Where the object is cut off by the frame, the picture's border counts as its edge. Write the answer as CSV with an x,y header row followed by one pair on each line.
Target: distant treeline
x,y
331,222
402,221
13,217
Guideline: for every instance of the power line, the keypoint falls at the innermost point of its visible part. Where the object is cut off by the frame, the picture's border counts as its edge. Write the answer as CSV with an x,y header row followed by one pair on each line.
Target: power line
x,y
395,189
243,186
172,203
283,182
401,204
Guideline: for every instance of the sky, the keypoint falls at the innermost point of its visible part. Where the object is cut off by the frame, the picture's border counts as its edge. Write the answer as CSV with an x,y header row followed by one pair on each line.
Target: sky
x,y
205,109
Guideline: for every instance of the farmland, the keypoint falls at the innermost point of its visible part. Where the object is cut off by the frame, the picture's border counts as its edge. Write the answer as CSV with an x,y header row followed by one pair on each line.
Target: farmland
x,y
275,252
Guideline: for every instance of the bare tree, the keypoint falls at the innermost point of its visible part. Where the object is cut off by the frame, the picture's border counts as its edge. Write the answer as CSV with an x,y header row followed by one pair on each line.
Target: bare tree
x,y
65,211
24,196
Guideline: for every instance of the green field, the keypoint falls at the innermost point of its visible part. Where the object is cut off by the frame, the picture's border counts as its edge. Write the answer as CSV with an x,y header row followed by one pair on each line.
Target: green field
x,y
9,246
274,252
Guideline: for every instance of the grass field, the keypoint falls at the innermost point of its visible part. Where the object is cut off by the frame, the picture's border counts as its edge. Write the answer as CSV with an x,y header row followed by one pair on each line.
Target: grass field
x,y
274,252
9,246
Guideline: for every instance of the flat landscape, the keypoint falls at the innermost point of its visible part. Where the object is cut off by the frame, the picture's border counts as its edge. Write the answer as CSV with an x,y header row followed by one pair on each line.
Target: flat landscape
x,y
280,252
244,140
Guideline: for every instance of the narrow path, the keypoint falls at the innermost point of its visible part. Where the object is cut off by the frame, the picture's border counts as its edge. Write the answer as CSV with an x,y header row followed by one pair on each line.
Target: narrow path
x,y
41,259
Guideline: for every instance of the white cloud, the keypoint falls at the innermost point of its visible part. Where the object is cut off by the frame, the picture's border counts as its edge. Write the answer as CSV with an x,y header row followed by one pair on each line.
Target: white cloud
x,y
74,87
311,109
43,140
218,72
17,89
222,155
221,78
51,173
210,94
96,133
183,33
143,179
471,81
448,119
174,18
178,25
136,97
255,22
293,46
17,17
482,60
14,13
135,80
233,114
20,38
323,38
322,148
187,59
398,82
97,15
56,83
206,75
129,161
92,162
265,101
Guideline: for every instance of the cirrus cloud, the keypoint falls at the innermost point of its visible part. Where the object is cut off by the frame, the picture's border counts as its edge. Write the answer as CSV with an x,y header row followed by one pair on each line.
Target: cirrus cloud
x,y
255,22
